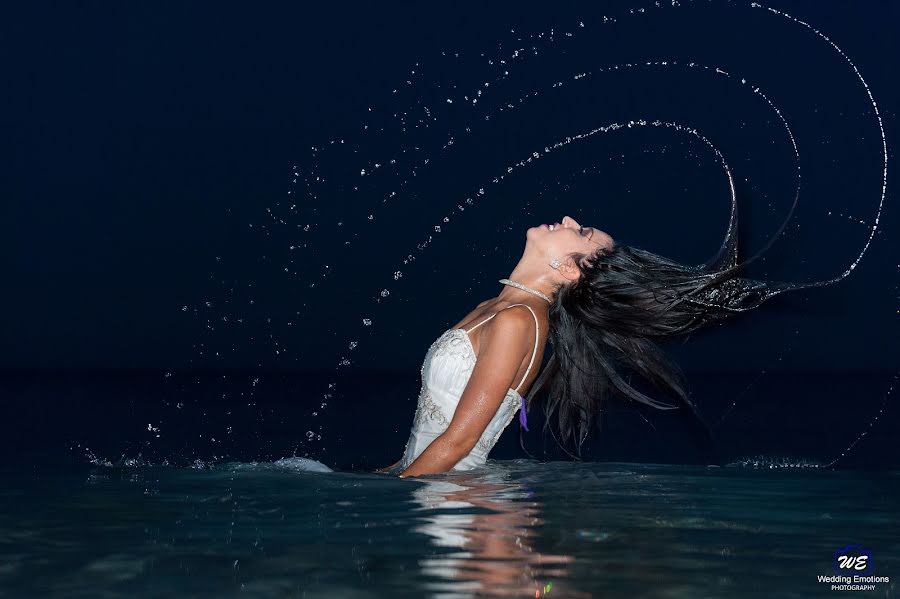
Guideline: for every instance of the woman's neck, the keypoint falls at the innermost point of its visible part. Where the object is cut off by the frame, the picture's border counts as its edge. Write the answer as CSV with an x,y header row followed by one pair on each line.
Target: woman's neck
x,y
528,277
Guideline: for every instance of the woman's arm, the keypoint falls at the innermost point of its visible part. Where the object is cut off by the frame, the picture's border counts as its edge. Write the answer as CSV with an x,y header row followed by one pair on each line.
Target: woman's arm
x,y
441,455
503,347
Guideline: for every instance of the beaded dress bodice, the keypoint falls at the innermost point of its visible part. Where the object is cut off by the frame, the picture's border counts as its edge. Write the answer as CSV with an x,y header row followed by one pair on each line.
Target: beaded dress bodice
x,y
448,364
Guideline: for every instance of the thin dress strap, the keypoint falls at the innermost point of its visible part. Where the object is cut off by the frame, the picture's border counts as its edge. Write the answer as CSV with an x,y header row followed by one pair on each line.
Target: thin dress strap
x,y
536,337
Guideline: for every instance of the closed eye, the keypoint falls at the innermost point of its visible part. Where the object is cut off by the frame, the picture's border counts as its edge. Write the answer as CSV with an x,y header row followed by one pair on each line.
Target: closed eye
x,y
581,231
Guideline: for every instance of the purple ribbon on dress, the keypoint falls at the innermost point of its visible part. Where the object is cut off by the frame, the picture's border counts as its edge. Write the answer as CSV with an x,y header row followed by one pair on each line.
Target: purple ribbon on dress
x,y
522,418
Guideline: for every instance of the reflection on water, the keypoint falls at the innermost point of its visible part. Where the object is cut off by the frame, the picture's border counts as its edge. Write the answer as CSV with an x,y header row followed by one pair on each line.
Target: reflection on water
x,y
491,526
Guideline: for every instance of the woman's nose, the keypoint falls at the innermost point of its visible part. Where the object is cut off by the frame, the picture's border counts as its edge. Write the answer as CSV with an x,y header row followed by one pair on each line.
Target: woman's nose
x,y
568,220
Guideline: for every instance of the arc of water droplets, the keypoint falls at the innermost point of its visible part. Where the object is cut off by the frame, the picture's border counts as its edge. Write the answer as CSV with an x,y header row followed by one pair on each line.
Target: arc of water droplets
x,y
693,65
874,106
756,90
517,55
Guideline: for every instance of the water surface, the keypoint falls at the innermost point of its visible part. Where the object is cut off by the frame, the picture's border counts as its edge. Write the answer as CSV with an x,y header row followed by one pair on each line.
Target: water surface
x,y
513,528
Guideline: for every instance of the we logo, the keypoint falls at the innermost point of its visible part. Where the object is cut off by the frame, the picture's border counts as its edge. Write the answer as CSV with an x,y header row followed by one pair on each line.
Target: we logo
x,y
852,557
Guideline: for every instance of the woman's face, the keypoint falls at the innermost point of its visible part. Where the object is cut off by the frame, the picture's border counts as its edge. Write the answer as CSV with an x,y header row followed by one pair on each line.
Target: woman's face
x,y
558,240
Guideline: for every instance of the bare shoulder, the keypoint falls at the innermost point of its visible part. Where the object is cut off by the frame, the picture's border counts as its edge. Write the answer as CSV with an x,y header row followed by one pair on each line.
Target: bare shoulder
x,y
510,327
522,314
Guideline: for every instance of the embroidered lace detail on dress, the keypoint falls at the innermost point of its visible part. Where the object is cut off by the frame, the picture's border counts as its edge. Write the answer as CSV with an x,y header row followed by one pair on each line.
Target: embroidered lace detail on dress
x,y
446,344
428,409
454,345
458,345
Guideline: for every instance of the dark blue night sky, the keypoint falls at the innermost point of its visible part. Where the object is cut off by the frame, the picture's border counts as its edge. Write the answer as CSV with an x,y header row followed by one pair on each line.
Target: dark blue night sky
x,y
151,148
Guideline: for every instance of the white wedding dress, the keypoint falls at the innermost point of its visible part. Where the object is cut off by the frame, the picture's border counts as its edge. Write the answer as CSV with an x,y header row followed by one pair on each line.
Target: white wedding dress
x,y
445,372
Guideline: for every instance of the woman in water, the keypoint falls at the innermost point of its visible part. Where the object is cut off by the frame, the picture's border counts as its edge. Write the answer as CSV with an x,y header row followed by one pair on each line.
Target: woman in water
x,y
602,305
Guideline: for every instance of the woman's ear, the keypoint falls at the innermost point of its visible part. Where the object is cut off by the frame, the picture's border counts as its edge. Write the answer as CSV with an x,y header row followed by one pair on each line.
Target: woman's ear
x,y
569,270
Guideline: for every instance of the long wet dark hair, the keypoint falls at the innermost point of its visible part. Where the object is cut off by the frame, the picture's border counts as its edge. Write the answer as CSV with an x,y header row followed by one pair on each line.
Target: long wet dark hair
x,y
606,326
